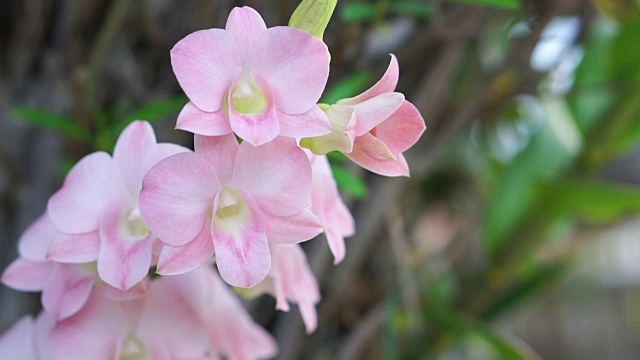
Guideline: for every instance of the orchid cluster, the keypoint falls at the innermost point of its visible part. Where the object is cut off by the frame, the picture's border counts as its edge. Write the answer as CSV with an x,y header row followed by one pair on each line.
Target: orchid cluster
x,y
256,185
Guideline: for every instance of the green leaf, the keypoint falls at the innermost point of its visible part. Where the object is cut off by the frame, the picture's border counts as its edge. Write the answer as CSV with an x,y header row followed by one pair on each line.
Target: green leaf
x,y
505,4
595,202
411,8
505,347
348,182
348,87
52,121
541,276
152,112
358,11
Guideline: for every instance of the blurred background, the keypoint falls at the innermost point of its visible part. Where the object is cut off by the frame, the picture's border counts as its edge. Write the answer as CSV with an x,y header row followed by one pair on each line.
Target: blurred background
x,y
517,235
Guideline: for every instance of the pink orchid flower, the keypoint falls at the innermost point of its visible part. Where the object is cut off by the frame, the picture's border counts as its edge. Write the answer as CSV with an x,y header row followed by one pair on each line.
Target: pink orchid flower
x,y
160,326
97,208
65,287
374,128
230,198
27,339
254,81
291,279
232,332
328,206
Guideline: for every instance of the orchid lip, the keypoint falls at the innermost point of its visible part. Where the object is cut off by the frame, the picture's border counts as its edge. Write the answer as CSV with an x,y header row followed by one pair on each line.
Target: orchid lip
x,y
132,226
247,98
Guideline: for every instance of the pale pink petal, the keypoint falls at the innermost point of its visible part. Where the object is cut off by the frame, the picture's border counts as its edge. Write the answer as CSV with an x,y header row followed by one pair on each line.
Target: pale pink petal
x,y
137,151
138,291
259,128
343,132
44,324
124,258
96,332
18,342
372,112
182,259
220,152
327,204
67,291
366,153
201,122
176,196
312,123
402,129
295,64
245,25
292,229
240,241
232,332
169,326
291,273
36,239
89,186
26,275
277,174
205,63
133,145
75,248
386,84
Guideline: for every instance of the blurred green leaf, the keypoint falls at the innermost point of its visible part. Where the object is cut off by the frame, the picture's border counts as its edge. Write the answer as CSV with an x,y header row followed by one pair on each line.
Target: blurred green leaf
x,y
52,121
541,276
412,8
367,11
152,112
596,202
506,4
358,11
336,156
348,182
350,86
549,154
505,347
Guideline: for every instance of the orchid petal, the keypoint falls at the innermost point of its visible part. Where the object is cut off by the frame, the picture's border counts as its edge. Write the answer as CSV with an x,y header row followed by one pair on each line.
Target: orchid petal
x,y
123,259
78,206
245,25
75,248
386,84
201,122
373,111
27,275
176,196
239,239
292,229
220,152
343,132
366,153
169,326
18,342
255,128
277,174
106,323
205,63
295,64
402,129
67,291
36,239
312,123
292,275
182,259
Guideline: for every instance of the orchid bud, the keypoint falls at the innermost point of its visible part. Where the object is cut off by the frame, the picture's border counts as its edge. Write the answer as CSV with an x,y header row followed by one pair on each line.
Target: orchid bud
x,y
313,16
